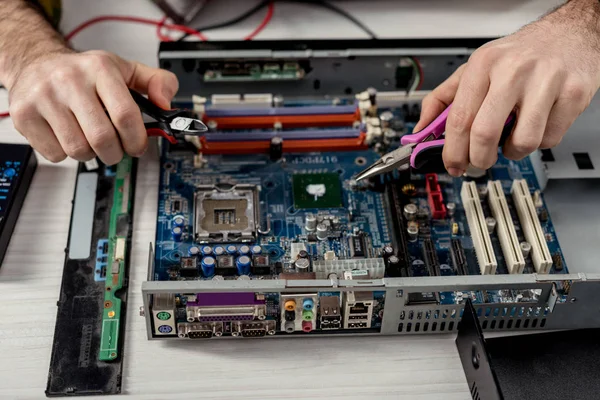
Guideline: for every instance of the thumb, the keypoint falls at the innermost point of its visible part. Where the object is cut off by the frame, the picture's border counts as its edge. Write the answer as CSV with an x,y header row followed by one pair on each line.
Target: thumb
x,y
438,100
160,85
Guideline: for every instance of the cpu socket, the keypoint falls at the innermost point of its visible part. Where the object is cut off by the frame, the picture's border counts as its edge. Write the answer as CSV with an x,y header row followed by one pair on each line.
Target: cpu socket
x,y
226,213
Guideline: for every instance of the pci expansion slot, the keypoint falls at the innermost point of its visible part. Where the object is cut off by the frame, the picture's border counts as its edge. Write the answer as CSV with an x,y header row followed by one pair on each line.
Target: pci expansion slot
x,y
505,228
117,252
477,226
540,254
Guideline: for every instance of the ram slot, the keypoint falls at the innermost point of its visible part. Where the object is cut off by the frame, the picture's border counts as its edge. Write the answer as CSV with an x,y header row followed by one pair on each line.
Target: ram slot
x,y
505,228
479,233
296,134
532,229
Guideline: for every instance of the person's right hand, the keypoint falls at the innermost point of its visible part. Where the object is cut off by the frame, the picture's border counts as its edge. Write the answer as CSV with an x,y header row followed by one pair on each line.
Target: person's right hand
x,y
78,105
548,72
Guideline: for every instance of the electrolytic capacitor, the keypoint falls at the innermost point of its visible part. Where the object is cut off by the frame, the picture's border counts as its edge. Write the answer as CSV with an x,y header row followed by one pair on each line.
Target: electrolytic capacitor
x,y
322,231
177,232
218,278
303,254
385,118
208,265
207,250
410,211
413,231
244,250
387,251
451,208
178,221
243,264
243,278
276,148
231,249
525,249
193,251
302,264
310,222
256,250
219,251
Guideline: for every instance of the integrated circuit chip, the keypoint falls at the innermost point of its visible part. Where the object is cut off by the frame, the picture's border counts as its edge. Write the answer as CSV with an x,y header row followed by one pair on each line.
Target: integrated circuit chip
x,y
317,190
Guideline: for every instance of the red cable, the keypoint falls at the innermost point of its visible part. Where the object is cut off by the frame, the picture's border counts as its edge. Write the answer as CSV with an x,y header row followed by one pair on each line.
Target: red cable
x,y
159,27
4,114
264,22
139,20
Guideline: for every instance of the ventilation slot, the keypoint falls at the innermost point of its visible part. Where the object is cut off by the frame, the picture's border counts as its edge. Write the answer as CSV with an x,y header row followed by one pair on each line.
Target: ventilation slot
x,y
417,326
400,326
408,327
425,326
475,392
543,323
434,327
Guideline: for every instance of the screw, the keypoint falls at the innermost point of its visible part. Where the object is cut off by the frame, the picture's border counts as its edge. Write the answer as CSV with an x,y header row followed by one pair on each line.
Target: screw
x,y
573,299
142,312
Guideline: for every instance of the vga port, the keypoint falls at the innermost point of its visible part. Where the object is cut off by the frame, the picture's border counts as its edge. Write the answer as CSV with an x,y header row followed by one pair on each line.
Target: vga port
x,y
253,329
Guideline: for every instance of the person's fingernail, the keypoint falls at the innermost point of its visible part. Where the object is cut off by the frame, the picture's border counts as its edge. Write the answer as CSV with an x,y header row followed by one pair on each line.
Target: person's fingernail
x,y
455,171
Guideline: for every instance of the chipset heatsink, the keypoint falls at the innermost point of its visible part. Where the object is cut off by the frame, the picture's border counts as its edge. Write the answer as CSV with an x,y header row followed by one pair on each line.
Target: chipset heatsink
x,y
225,213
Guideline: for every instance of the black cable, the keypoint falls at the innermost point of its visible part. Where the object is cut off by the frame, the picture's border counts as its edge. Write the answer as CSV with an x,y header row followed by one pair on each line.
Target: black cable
x,y
265,3
340,12
232,21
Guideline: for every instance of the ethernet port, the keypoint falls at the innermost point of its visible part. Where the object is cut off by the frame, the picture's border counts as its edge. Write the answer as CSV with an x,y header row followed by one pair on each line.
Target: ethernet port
x,y
359,308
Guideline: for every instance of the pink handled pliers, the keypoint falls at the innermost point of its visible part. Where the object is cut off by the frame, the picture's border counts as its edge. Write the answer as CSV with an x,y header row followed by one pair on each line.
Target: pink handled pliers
x,y
421,148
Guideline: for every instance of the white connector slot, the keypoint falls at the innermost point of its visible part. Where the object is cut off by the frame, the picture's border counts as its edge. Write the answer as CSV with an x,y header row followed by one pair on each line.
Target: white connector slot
x,y
505,228
540,254
477,226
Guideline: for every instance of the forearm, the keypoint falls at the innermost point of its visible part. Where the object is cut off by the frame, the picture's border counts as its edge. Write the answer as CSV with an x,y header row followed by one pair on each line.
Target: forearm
x,y
25,37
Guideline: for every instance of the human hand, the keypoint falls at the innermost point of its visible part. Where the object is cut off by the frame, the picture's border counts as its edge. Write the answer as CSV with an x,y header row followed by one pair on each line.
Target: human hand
x,y
547,72
60,104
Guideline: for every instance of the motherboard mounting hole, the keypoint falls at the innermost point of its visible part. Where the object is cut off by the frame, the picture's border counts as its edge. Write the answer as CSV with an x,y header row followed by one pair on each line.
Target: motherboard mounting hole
x,y
179,186
168,166
108,289
269,184
107,304
360,161
176,255
339,171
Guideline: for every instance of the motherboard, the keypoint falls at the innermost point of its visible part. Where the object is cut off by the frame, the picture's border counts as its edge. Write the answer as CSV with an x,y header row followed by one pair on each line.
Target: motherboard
x,y
269,195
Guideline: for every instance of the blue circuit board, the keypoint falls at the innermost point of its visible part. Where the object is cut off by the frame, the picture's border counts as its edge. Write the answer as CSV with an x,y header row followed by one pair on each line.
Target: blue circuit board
x,y
363,209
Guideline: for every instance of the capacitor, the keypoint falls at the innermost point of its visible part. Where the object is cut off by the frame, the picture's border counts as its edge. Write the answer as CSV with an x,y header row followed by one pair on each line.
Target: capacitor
x,y
244,250
525,249
207,250
208,265
231,249
276,148
450,208
386,117
310,222
243,264
413,231
387,251
218,278
177,232
322,231
219,251
393,265
243,278
491,224
193,251
302,264
178,221
410,211
256,250
303,254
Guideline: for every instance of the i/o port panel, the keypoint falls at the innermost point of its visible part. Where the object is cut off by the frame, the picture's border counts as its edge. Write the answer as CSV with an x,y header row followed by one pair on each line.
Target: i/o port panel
x,y
298,312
